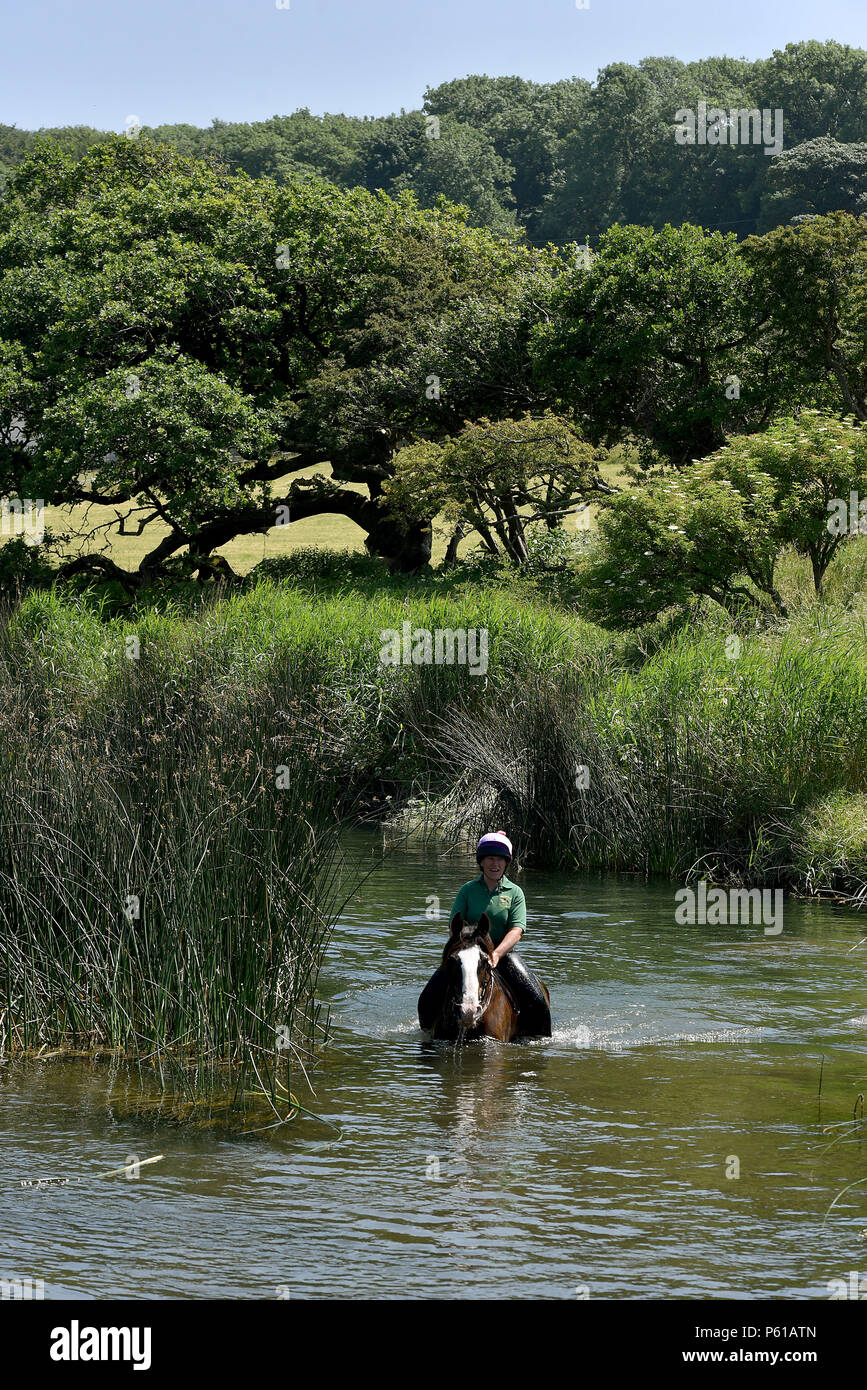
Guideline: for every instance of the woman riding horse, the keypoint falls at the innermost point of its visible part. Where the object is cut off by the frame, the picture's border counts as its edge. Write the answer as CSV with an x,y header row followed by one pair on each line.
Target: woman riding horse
x,y
502,902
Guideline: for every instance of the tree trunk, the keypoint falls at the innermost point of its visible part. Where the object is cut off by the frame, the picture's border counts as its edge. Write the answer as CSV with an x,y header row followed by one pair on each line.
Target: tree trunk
x,y
405,548
452,548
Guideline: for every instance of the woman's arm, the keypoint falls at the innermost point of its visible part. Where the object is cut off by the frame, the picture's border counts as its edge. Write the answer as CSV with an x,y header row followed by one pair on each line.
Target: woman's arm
x,y
509,940
517,925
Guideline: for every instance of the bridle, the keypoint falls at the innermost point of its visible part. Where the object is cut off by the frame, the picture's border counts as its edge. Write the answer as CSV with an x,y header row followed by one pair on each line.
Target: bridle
x,y
490,967
487,1001
491,990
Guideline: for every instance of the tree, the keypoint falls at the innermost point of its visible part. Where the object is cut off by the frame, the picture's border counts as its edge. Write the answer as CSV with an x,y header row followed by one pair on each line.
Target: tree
x,y
461,164
815,178
527,124
621,163
450,159
167,332
462,353
499,478
820,88
658,341
612,148
810,289
815,463
726,518
675,539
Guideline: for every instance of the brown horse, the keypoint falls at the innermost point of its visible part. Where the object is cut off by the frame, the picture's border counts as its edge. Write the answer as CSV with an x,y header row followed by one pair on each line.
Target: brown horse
x,y
466,999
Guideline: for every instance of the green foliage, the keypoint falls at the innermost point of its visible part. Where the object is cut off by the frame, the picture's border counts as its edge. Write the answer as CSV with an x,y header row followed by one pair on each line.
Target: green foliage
x,y
311,566
135,797
446,340
658,339
819,86
810,288
176,337
24,566
421,485
498,477
724,518
528,125
703,750
813,179
663,545
829,842
812,461
697,747
551,549
454,160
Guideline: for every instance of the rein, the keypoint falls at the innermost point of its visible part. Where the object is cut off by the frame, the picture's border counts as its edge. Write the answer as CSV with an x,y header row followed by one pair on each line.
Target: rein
x,y
490,994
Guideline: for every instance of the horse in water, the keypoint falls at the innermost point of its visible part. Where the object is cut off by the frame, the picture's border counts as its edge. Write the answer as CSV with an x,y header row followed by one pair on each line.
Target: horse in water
x,y
467,999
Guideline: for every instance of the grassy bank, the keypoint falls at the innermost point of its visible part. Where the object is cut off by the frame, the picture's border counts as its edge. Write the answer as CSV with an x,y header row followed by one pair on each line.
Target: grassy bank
x,y
690,762
705,746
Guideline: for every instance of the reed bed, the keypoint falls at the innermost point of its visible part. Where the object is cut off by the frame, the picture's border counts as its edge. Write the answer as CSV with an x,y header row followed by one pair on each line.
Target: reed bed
x,y
161,895
690,761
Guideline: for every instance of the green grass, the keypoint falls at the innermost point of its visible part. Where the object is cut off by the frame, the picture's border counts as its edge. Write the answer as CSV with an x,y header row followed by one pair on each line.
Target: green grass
x,y
695,762
695,754
828,845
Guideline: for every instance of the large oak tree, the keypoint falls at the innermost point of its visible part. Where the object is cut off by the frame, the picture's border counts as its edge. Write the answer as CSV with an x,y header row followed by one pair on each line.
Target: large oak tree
x,y
181,338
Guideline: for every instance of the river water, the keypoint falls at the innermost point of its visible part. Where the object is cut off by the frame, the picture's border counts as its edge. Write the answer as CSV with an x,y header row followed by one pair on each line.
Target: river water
x,y
669,1140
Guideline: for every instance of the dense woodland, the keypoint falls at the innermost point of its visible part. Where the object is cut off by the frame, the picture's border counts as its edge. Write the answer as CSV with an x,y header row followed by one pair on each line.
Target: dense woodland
x,y
563,161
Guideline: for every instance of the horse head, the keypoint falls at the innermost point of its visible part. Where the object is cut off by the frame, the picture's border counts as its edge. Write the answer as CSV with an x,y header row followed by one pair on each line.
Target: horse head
x,y
467,959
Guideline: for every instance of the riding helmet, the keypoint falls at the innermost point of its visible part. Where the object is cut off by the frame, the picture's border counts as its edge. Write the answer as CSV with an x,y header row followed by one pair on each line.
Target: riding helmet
x,y
494,842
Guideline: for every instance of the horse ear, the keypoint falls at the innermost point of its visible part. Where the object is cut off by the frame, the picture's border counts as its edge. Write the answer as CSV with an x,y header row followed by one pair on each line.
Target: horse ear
x,y
457,924
483,926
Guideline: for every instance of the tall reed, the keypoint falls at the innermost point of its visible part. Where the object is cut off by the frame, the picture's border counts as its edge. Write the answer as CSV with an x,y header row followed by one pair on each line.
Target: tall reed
x,y
679,763
161,895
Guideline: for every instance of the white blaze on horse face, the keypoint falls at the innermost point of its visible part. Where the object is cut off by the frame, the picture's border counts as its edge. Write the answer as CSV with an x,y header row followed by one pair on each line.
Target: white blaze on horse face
x,y
469,959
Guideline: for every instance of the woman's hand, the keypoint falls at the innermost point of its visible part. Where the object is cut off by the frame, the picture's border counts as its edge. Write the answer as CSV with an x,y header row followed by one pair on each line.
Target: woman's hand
x,y
495,960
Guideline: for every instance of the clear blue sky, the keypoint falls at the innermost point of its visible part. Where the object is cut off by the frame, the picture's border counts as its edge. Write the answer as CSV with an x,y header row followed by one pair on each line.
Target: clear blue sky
x,y
95,62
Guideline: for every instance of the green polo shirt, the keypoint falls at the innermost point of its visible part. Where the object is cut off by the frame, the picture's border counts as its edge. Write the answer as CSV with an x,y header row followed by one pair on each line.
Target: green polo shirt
x,y
506,907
